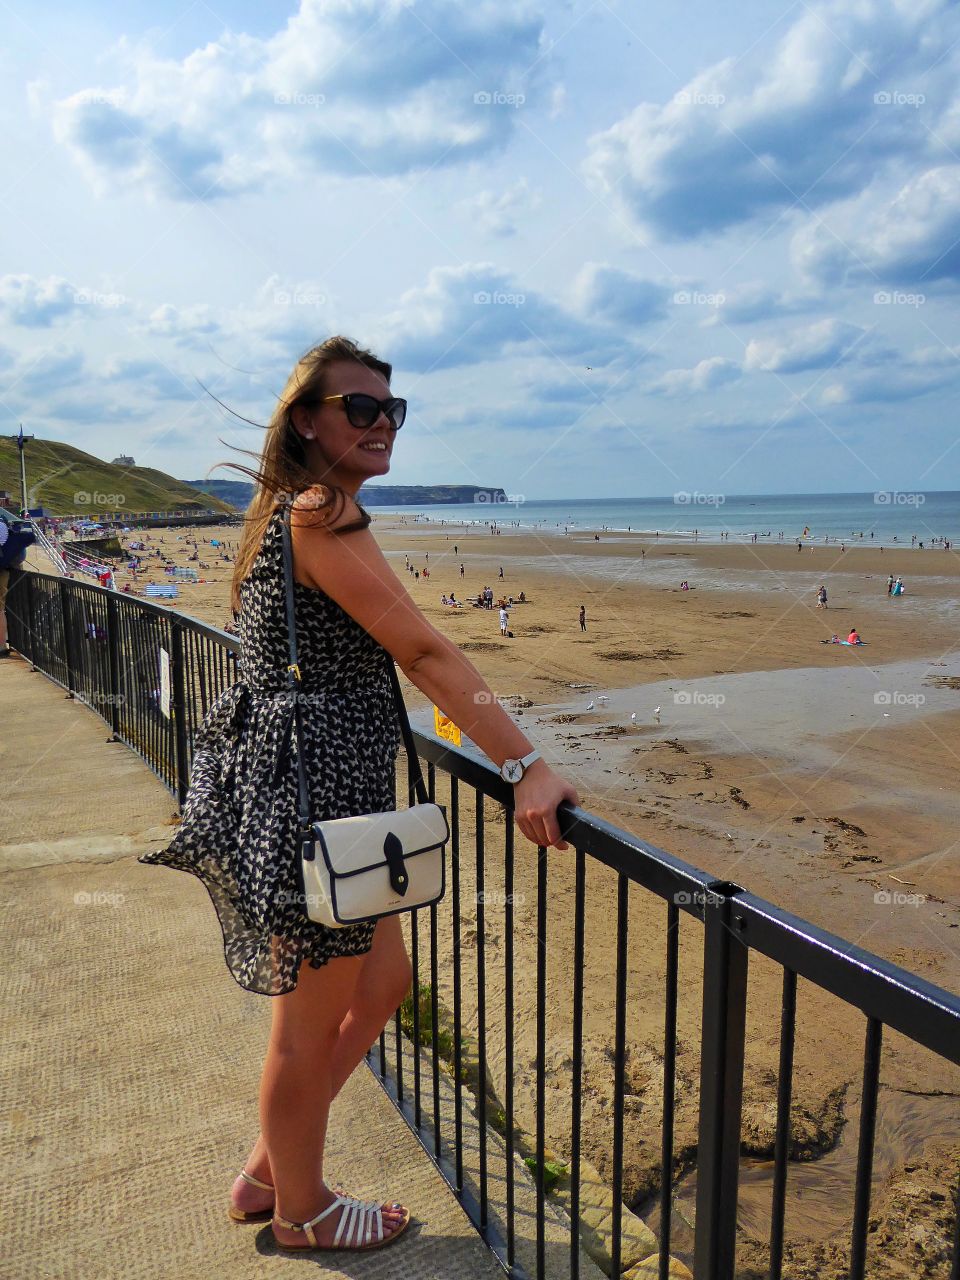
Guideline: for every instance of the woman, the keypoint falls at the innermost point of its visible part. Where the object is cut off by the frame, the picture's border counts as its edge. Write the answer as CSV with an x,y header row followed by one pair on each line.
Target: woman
x,y
333,429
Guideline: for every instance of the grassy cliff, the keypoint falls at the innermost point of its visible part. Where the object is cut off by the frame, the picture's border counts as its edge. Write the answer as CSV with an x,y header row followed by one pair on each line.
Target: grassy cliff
x,y
68,481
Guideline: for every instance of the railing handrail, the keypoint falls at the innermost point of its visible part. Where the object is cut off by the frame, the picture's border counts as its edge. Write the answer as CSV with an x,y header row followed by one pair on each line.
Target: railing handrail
x,y
879,988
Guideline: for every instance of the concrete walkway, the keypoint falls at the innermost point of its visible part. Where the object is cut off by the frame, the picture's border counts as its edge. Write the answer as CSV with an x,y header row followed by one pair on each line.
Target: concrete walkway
x,y
131,1058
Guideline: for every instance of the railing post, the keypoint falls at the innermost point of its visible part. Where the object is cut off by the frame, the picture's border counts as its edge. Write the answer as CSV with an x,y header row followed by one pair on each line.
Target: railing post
x,y
178,690
113,655
69,640
721,1086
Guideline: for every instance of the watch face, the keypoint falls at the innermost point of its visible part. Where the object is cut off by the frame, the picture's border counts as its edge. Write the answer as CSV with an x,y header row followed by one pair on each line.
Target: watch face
x,y
513,770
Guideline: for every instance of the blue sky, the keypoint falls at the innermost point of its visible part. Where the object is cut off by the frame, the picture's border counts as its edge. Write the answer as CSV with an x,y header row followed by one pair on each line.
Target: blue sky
x,y
609,251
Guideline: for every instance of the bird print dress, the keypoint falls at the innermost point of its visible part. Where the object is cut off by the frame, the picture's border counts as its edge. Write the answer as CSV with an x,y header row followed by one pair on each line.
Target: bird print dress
x,y
239,823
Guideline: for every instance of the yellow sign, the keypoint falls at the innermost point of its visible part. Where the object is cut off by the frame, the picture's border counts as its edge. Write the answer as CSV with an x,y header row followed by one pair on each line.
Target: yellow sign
x,y
445,728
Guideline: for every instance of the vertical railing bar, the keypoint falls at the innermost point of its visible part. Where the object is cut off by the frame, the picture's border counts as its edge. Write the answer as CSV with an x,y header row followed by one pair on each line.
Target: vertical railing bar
x,y
576,1118
481,1010
723,1040
541,1052
113,654
619,1061
671,979
782,1144
508,1016
415,959
868,1124
434,993
457,996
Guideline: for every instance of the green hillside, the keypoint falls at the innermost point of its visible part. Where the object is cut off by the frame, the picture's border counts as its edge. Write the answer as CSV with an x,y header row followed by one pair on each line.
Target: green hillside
x,y
57,473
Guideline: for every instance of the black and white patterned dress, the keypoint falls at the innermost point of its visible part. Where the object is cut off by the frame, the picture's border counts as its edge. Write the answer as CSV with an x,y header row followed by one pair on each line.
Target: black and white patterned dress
x,y
238,829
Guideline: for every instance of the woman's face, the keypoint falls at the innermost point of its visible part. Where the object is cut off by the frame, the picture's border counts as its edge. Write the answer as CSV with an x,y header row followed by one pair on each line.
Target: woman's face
x,y
336,451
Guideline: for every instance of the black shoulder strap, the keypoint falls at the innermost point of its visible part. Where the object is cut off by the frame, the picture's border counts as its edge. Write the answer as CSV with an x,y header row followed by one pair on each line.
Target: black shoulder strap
x,y
417,786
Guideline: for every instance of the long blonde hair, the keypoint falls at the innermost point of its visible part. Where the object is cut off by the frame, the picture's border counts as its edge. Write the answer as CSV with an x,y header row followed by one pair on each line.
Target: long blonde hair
x,y
281,466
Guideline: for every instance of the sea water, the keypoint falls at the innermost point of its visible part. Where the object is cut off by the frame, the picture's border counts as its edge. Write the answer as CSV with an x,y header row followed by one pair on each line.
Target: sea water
x,y
888,515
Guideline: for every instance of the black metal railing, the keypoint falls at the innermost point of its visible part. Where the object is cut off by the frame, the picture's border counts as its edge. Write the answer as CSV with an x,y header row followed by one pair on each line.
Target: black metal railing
x,y
457,1059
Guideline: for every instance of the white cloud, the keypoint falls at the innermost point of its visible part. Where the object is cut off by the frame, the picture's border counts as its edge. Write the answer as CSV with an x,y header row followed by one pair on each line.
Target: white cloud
x,y
36,303
608,293
477,312
497,213
352,87
757,134
816,346
705,376
911,238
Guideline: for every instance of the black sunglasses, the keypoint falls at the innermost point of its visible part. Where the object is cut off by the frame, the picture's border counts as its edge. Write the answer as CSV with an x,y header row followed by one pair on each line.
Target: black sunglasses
x,y
362,410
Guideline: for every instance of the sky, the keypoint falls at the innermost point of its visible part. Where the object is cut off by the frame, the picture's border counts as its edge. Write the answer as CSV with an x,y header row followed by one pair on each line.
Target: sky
x,y
609,250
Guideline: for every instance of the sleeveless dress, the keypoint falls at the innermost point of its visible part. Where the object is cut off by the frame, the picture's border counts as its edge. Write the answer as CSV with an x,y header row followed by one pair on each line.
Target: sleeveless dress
x,y
238,828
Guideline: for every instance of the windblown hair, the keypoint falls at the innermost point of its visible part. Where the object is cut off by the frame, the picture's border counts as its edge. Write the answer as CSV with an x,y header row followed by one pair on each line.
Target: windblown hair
x,y
281,466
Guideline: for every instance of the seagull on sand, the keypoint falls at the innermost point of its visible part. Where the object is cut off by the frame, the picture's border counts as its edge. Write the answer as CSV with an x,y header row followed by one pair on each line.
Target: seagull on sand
x,y
633,717
589,706
603,697
656,714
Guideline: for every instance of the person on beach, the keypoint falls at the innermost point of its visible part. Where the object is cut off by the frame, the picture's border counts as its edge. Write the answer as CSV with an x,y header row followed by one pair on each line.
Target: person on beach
x,y
822,598
583,617
461,571
890,585
504,620
333,429
854,637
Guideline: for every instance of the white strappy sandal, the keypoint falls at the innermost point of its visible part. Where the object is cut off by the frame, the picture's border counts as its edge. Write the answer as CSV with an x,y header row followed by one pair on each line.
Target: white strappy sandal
x,y
360,1226
252,1215
258,1215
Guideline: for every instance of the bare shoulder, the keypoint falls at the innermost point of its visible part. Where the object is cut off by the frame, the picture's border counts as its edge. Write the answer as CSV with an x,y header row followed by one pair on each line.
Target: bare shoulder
x,y
335,552
324,507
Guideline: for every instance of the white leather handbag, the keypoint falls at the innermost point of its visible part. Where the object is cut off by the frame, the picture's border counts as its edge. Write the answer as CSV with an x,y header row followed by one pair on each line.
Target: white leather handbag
x,y
360,868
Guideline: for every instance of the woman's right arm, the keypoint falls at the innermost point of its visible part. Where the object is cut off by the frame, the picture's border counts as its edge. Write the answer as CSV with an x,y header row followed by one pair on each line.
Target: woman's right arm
x,y
351,569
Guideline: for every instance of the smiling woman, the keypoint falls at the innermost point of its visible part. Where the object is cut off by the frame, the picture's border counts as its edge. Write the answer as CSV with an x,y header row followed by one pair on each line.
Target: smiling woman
x,y
333,428
296,454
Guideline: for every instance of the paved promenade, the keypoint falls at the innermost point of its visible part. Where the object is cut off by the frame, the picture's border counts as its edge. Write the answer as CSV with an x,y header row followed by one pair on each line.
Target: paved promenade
x,y
130,1059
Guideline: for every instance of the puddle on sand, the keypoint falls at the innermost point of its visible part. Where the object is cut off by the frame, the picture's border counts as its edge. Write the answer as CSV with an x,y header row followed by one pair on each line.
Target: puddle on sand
x,y
820,1192
789,713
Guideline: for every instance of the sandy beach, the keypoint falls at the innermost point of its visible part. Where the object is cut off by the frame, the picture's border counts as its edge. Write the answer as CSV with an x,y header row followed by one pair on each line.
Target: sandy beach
x,y
818,776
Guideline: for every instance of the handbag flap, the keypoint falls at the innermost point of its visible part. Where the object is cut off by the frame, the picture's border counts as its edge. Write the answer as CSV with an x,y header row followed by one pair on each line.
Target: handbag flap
x,y
355,844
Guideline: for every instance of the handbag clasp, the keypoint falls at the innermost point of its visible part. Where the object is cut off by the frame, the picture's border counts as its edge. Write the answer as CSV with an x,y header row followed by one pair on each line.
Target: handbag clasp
x,y
393,852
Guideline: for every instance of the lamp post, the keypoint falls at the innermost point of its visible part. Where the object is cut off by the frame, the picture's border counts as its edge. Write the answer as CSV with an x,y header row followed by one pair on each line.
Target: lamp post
x,y
21,440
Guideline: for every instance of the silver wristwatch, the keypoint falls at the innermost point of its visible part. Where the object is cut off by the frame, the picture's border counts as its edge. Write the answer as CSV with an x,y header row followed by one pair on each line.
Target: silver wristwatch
x,y
513,770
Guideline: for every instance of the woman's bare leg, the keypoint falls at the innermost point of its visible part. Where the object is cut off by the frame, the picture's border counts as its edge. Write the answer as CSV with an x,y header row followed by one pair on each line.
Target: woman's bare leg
x,y
295,1086
383,981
